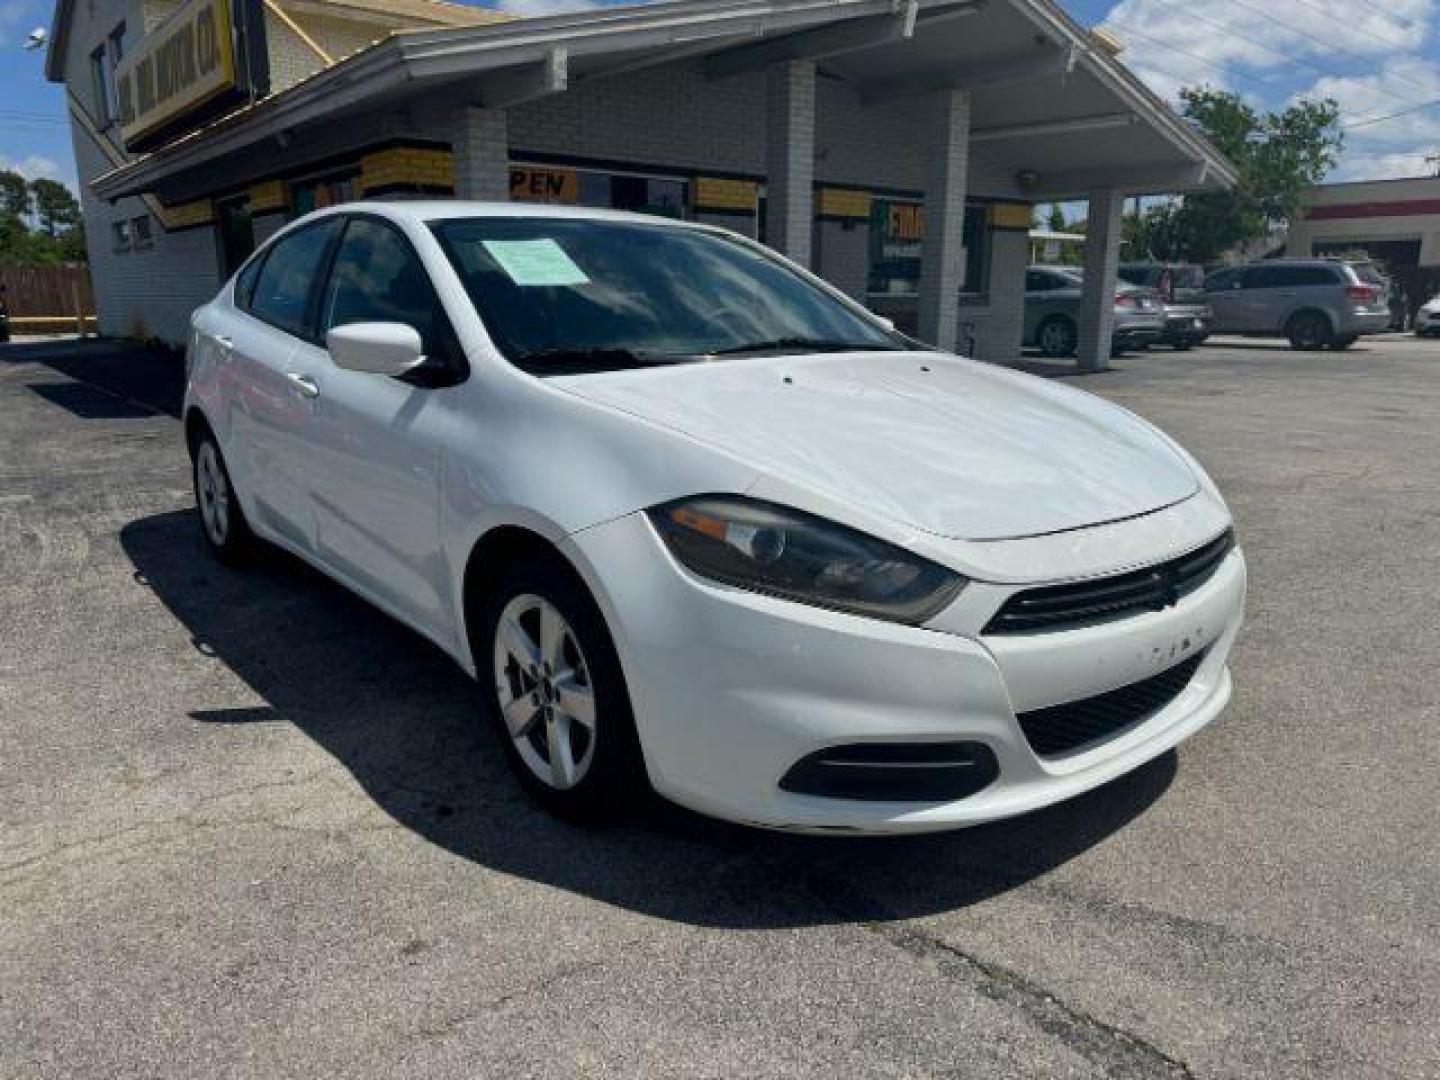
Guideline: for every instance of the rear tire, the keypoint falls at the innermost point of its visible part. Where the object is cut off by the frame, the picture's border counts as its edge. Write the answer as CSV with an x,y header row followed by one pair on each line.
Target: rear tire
x,y
222,520
1183,345
552,686
1309,331
1057,336
1340,344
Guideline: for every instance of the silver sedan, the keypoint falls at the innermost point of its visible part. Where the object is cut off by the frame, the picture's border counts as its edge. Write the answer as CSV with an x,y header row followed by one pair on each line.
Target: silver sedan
x,y
1052,312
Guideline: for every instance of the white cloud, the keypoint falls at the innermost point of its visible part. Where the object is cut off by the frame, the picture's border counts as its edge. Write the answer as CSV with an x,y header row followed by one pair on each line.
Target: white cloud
x,y
1265,49
1247,44
1392,147
33,167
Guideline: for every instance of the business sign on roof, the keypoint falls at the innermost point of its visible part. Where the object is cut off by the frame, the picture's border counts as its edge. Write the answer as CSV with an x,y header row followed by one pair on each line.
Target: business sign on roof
x,y
202,59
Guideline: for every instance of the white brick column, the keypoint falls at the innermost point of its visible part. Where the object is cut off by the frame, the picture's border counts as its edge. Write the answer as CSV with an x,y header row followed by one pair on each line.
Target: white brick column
x,y
1102,263
480,142
1005,326
790,160
942,255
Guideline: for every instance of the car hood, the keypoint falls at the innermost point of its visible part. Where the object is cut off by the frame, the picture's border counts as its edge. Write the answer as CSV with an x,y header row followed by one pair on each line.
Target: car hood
x,y
949,446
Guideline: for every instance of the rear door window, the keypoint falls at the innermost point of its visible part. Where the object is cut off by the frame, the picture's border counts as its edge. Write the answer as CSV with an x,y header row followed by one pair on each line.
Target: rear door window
x,y
287,280
1279,276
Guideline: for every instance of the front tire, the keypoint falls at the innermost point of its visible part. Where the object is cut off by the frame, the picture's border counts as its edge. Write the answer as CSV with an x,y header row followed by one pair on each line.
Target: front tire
x,y
553,687
222,520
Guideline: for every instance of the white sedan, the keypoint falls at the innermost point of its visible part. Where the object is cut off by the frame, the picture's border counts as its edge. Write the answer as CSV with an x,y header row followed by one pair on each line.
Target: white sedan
x,y
695,520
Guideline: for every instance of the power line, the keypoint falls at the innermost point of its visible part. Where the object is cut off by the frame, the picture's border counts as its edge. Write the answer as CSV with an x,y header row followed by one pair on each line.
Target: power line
x,y
1388,41
1221,66
1367,121
1319,41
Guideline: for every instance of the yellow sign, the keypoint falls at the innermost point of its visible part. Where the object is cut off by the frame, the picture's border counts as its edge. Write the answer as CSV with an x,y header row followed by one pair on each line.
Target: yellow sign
x,y
904,222
844,203
183,63
1013,217
716,193
529,184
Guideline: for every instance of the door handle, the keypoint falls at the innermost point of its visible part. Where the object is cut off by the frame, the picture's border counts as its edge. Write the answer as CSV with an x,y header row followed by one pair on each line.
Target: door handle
x,y
304,384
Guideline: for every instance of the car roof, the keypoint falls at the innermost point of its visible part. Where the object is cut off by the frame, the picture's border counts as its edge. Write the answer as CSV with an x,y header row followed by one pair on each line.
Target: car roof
x,y
427,210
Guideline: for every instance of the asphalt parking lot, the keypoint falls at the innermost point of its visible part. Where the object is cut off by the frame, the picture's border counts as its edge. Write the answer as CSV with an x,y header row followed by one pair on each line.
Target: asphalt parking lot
x,y
251,828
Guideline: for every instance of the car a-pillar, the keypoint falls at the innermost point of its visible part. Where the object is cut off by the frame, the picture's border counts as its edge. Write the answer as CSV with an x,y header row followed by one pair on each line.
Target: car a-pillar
x,y
1102,267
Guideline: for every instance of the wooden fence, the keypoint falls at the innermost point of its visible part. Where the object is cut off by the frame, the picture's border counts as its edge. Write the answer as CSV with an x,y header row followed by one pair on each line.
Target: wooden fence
x,y
47,299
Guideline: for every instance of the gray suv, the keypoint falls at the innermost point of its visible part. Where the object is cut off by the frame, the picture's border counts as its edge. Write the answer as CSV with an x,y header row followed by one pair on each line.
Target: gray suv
x,y
1315,303
1052,311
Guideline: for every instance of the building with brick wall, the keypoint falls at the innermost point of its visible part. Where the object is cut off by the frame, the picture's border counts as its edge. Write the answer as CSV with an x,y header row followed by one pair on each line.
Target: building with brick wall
x,y
896,147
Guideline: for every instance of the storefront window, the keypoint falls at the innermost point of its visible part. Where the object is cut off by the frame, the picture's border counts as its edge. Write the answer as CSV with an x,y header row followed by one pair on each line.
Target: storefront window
x,y
320,192
897,233
660,195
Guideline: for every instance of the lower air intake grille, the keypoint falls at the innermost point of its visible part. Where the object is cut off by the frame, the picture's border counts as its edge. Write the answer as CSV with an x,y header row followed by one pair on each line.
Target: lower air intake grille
x,y
1060,729
1085,603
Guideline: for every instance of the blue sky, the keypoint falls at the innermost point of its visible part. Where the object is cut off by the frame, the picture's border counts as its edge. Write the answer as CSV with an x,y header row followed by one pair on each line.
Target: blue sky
x,y
1375,58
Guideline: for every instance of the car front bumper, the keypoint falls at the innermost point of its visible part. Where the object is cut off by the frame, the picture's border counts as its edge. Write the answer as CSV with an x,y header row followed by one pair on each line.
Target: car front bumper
x,y
732,689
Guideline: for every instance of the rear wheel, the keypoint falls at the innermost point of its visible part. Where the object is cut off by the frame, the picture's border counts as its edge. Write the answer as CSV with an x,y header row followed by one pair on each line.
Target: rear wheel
x,y
1057,336
1183,344
555,692
222,521
1309,331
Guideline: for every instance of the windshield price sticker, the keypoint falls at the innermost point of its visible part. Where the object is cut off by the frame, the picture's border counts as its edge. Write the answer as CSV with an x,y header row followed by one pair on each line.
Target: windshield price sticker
x,y
535,262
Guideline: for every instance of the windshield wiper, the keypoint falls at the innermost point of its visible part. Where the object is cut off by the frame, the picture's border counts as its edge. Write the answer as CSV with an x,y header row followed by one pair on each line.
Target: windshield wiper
x,y
582,361
808,344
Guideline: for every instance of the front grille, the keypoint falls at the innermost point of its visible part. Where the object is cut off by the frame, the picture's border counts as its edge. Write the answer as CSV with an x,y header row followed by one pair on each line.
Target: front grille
x,y
1086,603
1061,729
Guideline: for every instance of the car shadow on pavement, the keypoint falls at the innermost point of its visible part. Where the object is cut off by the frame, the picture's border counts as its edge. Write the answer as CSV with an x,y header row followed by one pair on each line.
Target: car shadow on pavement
x,y
403,719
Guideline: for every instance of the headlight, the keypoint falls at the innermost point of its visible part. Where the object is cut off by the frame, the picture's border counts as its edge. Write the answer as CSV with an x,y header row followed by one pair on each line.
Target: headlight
x,y
797,556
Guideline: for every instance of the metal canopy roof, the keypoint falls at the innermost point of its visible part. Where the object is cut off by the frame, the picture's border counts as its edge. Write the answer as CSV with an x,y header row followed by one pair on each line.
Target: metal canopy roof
x,y
1048,103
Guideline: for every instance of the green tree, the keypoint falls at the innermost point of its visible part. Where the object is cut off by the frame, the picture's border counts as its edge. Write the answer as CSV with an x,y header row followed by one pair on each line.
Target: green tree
x,y
1277,154
55,207
14,195
1057,218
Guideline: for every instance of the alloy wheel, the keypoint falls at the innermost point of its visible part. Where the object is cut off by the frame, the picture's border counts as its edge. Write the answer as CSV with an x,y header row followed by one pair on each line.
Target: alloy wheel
x,y
544,691
1056,338
213,493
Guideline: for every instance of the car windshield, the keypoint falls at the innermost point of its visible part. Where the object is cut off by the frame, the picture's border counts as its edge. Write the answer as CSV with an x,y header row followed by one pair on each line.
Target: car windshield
x,y
567,295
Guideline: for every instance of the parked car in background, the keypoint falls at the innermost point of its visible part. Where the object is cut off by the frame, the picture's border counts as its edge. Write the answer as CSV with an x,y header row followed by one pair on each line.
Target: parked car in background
x,y
695,519
1182,291
1427,319
1315,303
1052,312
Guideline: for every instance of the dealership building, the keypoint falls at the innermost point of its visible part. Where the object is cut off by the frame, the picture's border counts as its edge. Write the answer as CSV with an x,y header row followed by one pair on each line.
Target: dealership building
x,y
896,147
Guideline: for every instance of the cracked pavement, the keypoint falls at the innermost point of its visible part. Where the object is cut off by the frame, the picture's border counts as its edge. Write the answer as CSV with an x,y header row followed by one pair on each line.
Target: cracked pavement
x,y
249,826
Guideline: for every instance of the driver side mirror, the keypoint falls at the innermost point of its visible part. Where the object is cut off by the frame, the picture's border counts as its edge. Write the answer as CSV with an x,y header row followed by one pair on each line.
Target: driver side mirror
x,y
376,348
